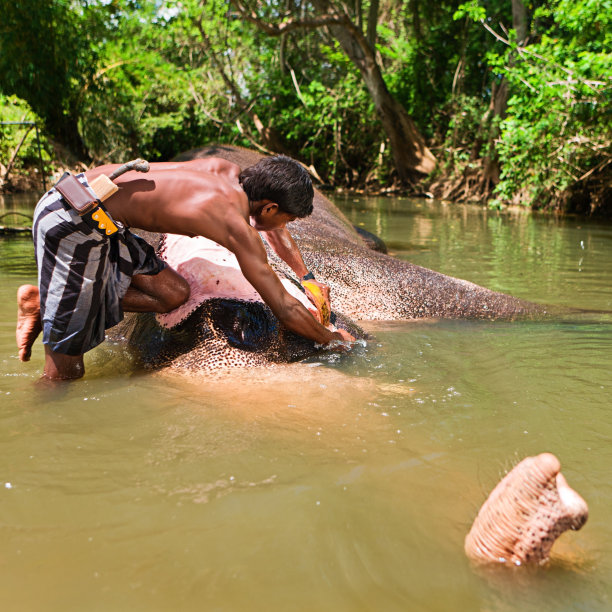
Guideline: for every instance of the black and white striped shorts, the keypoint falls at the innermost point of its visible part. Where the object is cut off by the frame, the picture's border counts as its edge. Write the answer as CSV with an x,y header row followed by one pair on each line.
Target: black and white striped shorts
x,y
83,274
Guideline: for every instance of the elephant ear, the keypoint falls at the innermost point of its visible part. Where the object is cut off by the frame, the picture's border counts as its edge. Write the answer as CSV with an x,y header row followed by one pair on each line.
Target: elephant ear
x,y
245,325
371,240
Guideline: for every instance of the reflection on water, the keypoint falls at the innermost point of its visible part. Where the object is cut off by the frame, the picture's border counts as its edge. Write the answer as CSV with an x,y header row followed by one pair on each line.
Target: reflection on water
x,y
343,483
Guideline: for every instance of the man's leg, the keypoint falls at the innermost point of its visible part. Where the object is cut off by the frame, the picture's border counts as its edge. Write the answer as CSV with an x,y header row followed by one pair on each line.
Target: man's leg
x,y
62,367
160,292
28,320
148,293
29,326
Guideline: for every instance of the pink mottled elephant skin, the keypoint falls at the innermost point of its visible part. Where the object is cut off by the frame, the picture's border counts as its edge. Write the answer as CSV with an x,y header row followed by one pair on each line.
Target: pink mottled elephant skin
x,y
524,515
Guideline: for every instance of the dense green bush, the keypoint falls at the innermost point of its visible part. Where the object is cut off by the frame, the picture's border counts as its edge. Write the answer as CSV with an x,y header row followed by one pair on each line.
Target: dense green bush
x,y
557,128
112,80
14,111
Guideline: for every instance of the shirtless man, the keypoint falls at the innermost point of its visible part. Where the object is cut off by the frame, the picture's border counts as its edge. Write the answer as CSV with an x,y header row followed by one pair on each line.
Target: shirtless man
x,y
87,280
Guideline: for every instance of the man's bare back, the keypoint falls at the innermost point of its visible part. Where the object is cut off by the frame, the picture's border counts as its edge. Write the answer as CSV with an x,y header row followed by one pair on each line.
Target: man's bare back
x,y
195,198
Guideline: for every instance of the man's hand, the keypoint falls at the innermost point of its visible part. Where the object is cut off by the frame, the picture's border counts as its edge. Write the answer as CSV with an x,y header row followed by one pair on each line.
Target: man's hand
x,y
341,342
346,337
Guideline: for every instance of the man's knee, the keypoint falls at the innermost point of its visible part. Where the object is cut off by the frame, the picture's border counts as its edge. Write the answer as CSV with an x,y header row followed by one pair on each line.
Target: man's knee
x,y
178,296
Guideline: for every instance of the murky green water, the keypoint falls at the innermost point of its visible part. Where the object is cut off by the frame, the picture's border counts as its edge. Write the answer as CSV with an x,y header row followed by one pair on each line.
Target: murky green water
x,y
337,485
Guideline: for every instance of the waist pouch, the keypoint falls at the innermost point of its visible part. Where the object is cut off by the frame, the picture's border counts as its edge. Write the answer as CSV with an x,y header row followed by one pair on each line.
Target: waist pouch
x,y
88,207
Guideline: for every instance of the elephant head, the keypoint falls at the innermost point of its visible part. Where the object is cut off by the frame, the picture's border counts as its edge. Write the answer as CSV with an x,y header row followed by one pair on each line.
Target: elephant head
x,y
225,324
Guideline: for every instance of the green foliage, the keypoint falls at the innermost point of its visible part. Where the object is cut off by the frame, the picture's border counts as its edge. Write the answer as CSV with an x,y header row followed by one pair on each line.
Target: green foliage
x,y
48,53
326,116
113,79
472,10
13,109
151,94
467,138
557,127
553,135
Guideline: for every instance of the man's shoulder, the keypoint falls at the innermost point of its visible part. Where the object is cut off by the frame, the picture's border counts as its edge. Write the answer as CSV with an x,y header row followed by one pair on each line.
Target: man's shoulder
x,y
214,165
219,199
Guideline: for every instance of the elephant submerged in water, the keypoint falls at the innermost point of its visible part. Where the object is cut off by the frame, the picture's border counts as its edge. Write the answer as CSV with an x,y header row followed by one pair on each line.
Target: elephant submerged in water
x,y
226,324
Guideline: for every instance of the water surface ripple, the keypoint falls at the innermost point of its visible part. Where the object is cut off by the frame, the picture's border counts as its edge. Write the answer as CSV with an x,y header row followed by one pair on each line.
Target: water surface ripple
x,y
342,483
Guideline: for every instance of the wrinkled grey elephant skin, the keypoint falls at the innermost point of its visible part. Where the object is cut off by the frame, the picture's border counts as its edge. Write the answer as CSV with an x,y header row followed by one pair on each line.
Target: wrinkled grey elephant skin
x,y
365,285
220,334
369,285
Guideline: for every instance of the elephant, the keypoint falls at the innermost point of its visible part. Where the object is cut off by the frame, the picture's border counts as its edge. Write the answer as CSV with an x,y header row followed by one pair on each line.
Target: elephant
x,y
225,324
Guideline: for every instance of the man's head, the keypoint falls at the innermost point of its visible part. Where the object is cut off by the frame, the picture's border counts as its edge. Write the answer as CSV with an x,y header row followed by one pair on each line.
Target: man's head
x,y
281,180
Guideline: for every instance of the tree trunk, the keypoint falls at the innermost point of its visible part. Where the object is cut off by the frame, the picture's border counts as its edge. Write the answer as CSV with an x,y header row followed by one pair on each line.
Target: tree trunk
x,y
410,153
519,21
499,102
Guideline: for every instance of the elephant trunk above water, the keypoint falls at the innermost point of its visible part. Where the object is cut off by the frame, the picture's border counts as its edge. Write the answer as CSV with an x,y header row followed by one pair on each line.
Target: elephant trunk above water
x,y
524,515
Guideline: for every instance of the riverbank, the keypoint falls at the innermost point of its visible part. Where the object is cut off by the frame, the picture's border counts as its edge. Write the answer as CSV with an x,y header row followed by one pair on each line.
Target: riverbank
x,y
590,197
31,180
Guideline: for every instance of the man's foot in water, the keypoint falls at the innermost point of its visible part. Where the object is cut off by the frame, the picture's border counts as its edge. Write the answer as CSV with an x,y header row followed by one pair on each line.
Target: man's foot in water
x,y
28,320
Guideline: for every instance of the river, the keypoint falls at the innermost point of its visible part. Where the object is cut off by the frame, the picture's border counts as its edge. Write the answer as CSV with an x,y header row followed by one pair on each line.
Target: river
x,y
344,483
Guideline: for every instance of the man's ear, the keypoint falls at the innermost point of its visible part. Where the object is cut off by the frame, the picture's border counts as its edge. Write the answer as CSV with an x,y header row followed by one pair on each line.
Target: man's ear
x,y
269,208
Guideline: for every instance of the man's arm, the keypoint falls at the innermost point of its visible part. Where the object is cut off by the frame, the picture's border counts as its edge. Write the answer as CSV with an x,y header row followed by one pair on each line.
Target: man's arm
x,y
285,247
254,264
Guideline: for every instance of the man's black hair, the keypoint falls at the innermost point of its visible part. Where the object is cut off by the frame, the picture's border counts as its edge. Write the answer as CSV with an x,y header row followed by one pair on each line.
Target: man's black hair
x,y
281,180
